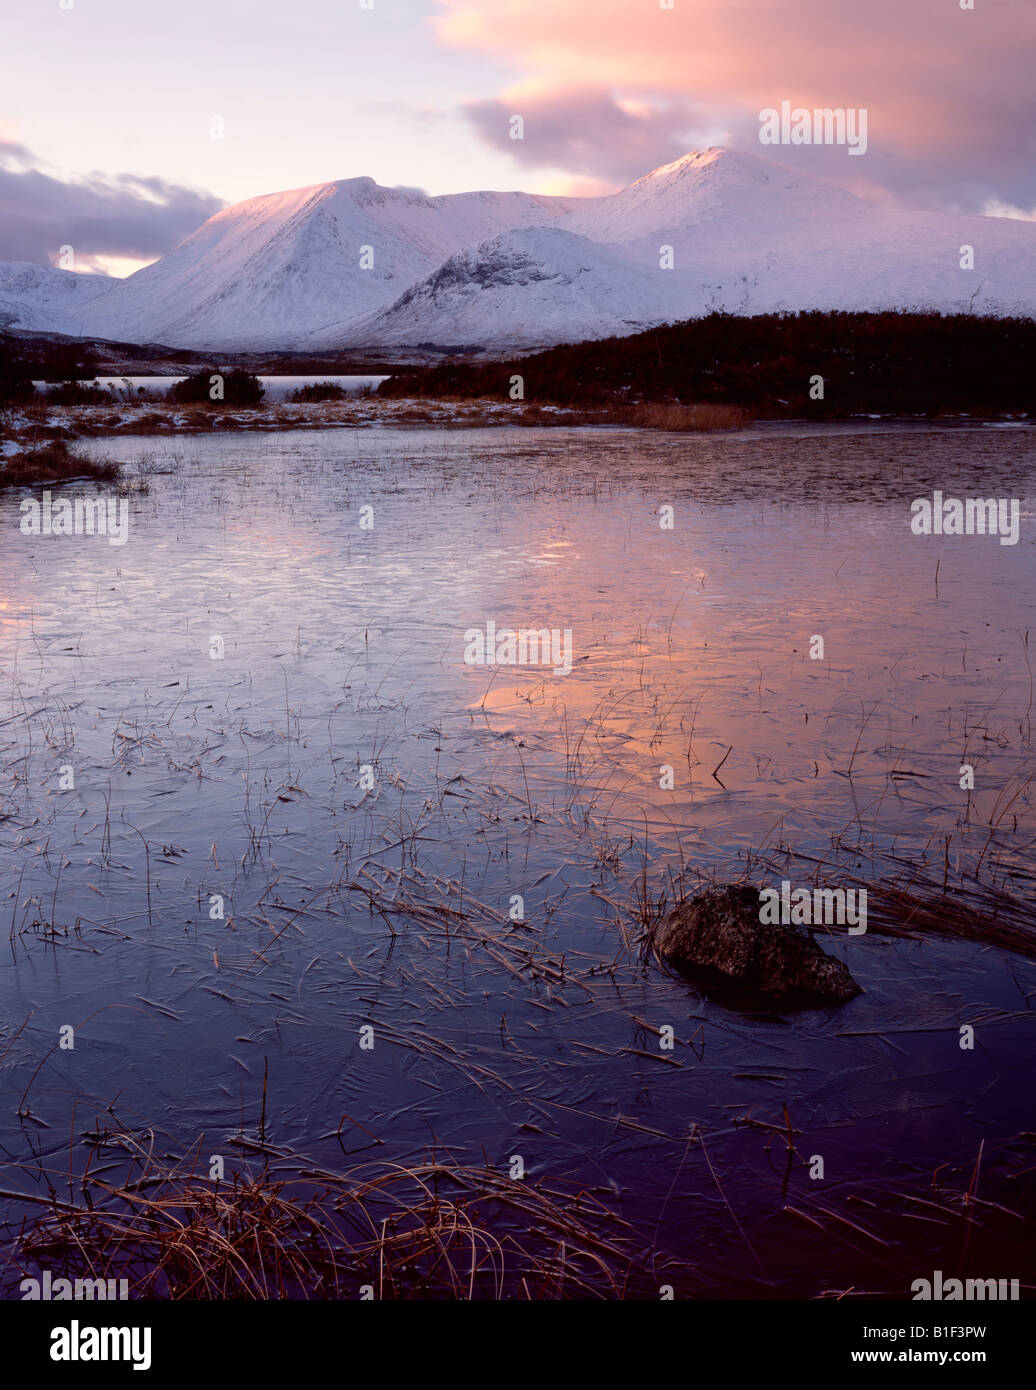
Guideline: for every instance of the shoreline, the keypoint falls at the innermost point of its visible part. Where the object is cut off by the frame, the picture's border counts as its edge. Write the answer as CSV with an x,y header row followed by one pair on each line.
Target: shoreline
x,y
38,423
37,443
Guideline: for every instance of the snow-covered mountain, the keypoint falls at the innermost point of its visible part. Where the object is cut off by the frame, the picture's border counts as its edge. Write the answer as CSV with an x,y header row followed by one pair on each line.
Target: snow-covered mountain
x,y
277,271
39,299
713,193
351,264
524,279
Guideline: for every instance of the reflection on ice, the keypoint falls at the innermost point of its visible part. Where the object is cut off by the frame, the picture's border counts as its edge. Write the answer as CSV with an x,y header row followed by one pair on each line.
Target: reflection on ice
x,y
297,811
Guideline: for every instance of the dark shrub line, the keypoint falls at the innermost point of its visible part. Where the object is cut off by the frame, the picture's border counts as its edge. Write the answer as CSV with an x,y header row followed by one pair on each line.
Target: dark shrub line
x,y
885,363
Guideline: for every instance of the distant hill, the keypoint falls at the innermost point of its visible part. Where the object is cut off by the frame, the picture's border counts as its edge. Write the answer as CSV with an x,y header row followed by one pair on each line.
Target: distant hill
x,y
40,299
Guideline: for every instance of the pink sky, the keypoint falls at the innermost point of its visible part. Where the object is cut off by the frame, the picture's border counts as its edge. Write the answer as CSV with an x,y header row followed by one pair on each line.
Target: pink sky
x,y
116,139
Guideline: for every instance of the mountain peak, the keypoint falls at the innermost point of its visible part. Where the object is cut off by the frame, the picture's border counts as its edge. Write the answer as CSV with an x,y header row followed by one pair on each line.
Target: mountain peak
x,y
696,158
717,159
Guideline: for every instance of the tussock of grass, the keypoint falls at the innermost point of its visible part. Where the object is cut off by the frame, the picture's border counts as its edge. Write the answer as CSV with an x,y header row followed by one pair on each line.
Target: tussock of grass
x,y
154,422
670,415
916,906
428,1231
53,462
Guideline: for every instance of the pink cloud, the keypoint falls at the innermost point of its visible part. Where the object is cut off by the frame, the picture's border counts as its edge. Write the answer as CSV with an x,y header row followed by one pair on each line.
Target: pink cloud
x,y
951,101
590,132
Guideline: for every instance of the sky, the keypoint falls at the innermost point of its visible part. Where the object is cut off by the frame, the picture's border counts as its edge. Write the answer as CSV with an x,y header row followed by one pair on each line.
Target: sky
x,y
125,123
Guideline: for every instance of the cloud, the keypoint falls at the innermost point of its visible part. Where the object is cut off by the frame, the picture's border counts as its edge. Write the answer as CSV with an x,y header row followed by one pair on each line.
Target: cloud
x,y
949,92
995,208
11,152
589,132
121,216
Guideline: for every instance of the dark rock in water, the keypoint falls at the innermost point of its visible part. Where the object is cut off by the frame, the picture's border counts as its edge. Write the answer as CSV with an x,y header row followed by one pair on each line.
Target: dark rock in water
x,y
718,941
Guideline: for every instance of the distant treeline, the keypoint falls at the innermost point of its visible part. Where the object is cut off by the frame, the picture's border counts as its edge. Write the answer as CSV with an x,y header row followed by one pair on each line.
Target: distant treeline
x,y
15,378
887,363
68,373
67,360
19,366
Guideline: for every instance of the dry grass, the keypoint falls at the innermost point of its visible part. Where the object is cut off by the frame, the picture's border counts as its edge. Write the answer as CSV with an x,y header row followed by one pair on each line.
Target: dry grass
x,y
358,409
914,905
54,462
429,1231
158,422
669,415
37,412
1002,920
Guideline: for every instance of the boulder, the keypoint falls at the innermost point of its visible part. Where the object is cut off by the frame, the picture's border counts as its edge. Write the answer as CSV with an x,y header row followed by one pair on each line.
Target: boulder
x,y
718,942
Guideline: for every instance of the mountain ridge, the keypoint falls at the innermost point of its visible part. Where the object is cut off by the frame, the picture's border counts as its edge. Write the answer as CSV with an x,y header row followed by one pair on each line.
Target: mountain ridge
x,y
352,263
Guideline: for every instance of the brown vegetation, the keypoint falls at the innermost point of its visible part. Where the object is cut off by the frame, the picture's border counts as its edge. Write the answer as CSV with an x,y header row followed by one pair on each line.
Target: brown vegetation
x,y
54,462
429,1231
669,415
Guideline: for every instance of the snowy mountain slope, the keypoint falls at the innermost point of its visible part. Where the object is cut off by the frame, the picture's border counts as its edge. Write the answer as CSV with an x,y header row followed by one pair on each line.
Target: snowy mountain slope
x,y
887,260
712,191
542,283
510,269
37,298
876,260
549,285
750,237
274,271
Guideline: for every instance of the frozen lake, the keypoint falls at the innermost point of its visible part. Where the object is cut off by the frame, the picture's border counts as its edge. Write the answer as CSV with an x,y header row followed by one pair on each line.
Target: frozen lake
x,y
265,707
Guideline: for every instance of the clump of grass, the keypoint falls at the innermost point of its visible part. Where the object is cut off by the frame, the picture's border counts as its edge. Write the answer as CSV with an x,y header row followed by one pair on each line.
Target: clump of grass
x,y
1002,920
53,462
428,1231
917,906
670,415
151,422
